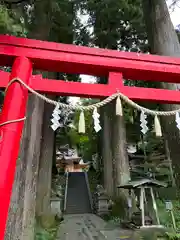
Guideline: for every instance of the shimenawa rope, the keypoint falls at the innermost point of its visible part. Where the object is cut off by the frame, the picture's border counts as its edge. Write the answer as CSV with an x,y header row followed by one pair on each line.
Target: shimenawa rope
x,y
90,107
12,121
99,104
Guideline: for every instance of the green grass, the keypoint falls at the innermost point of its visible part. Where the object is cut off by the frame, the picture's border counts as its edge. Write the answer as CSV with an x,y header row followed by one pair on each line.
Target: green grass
x,y
46,233
165,216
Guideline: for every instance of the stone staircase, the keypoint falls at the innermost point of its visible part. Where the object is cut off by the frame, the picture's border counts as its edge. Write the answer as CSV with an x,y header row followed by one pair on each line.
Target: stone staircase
x,y
78,197
79,222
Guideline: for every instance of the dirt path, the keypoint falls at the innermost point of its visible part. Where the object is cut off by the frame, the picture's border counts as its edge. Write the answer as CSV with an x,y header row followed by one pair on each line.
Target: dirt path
x,y
89,227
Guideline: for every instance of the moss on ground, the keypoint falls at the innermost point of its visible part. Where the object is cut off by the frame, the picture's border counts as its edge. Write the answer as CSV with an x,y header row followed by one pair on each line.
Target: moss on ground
x,y
45,234
46,227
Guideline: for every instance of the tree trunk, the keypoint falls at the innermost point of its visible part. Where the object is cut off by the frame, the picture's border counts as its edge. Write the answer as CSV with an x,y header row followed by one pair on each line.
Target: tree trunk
x,y
121,162
171,175
21,217
115,158
164,41
107,151
45,164
31,167
120,157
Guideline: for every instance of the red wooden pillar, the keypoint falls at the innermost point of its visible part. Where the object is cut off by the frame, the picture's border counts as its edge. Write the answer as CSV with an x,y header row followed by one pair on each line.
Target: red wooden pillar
x,y
14,108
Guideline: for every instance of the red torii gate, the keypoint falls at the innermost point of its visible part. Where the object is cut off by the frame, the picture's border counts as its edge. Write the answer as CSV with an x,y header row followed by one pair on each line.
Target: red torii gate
x,y
25,55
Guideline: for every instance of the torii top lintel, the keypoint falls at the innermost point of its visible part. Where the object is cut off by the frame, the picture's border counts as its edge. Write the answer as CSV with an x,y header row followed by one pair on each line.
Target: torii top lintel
x,y
57,57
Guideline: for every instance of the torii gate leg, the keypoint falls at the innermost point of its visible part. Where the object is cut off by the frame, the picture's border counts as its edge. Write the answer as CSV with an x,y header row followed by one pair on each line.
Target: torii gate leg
x,y
10,135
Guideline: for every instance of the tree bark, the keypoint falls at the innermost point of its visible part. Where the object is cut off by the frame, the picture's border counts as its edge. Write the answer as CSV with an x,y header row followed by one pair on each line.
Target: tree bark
x,y
45,164
31,167
115,158
21,217
120,156
163,40
108,175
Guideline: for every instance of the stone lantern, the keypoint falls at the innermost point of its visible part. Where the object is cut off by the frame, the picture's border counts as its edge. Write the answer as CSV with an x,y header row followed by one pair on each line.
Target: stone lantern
x,y
102,201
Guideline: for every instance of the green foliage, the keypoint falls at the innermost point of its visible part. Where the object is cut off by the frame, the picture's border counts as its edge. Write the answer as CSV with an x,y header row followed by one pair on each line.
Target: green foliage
x,y
117,24
46,228
173,235
63,16
165,216
9,23
86,142
152,234
94,179
119,208
154,144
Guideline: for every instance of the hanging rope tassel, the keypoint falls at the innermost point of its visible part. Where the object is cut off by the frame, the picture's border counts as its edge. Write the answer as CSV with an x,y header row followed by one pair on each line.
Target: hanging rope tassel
x,y
81,122
157,126
119,109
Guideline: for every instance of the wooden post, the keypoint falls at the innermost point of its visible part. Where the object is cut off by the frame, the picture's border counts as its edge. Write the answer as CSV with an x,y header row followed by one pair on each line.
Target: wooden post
x,y
155,206
142,205
14,108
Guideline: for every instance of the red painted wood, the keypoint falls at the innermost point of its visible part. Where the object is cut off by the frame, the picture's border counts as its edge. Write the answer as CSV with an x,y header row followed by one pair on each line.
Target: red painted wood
x,y
4,78
74,59
70,48
87,90
141,94
14,107
115,80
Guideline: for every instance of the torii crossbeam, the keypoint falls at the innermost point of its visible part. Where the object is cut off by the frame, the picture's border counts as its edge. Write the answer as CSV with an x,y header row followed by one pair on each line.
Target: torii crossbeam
x,y
25,55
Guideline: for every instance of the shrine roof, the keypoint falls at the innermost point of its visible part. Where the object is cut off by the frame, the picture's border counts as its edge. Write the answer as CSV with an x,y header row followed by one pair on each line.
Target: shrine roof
x,y
143,182
69,160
